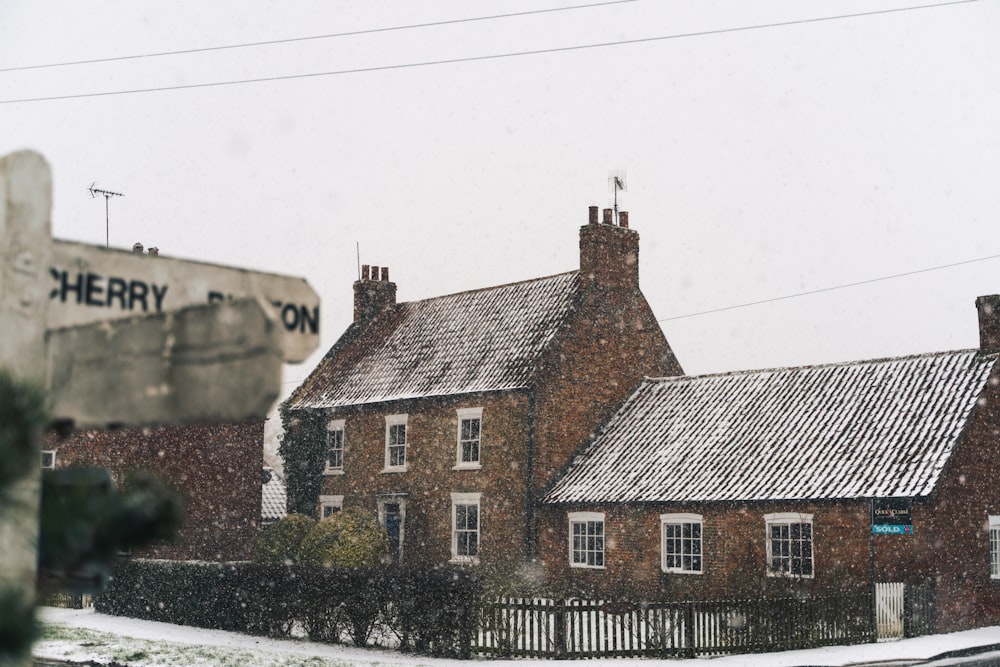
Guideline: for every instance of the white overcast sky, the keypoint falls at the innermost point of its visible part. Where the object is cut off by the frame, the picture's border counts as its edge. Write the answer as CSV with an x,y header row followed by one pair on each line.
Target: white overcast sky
x,y
760,162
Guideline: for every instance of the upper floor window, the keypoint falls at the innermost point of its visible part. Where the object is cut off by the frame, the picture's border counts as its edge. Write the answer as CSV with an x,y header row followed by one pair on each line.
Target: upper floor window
x,y
789,544
395,442
465,526
586,539
469,427
680,536
330,505
334,447
994,547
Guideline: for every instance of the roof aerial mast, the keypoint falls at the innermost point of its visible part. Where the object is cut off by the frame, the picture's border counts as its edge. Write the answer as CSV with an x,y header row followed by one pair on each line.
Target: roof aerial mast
x,y
616,181
107,194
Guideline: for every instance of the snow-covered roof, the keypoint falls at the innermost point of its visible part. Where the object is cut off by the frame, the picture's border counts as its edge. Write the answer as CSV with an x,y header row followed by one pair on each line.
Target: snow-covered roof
x,y
878,428
272,498
482,340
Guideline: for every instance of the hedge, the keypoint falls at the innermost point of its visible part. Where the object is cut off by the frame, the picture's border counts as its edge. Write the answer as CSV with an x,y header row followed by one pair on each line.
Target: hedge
x,y
427,611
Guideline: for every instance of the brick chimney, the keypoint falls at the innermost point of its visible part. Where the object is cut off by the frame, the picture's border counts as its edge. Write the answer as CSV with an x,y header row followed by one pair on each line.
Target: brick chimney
x,y
609,252
989,323
373,293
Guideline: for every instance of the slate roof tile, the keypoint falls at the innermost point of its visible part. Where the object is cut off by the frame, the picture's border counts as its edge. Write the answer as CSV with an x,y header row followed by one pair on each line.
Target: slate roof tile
x,y
879,428
272,501
482,340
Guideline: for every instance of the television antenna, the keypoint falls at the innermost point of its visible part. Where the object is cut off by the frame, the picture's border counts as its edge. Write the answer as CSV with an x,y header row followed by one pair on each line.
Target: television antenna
x,y
107,194
617,181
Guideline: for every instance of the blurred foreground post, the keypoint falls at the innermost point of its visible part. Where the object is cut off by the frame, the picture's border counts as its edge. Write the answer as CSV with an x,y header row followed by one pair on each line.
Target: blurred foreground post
x,y
121,339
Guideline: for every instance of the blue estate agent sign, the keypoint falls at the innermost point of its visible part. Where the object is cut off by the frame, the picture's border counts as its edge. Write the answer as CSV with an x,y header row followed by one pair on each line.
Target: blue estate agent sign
x,y
889,529
892,516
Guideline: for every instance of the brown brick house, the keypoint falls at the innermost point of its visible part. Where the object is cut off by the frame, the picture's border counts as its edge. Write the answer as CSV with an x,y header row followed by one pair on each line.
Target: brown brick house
x,y
448,415
750,483
216,468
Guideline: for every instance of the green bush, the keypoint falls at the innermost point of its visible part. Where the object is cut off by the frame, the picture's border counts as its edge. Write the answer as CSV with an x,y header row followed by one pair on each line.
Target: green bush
x,y
279,542
349,538
427,611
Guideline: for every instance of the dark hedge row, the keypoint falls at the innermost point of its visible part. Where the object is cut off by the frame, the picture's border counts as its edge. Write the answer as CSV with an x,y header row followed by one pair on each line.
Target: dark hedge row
x,y
428,611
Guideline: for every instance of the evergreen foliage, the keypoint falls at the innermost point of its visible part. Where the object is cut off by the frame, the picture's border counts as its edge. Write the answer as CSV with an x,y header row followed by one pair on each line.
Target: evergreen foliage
x,y
279,543
22,418
428,611
349,538
303,448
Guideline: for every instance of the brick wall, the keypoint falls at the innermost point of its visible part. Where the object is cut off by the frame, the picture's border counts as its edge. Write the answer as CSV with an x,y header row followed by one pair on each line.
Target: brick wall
x,y
215,467
430,478
734,551
955,553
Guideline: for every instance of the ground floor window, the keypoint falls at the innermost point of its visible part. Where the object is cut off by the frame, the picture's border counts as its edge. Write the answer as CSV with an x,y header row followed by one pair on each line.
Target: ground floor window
x,y
330,505
994,547
680,536
789,544
465,527
586,539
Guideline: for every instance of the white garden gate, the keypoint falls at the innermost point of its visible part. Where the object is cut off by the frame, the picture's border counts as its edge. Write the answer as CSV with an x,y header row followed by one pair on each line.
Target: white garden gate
x,y
889,610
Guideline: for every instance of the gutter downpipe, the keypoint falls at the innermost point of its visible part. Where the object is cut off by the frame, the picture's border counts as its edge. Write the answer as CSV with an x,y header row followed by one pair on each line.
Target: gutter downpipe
x,y
528,493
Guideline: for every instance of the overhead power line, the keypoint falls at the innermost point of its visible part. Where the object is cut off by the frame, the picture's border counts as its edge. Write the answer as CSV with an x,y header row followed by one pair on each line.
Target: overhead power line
x,y
290,40
828,289
496,56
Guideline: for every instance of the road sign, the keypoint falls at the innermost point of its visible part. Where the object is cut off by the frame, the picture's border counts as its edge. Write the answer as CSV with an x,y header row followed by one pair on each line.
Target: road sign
x,y
205,364
89,283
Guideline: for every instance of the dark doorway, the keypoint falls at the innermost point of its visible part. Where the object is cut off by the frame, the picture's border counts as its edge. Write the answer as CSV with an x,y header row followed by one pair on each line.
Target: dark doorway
x,y
393,525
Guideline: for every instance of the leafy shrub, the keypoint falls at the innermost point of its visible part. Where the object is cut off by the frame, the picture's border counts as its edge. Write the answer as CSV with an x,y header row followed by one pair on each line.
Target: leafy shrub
x,y
279,542
417,610
349,538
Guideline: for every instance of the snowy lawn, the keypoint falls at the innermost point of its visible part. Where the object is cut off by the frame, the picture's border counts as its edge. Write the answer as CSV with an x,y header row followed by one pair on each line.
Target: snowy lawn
x,y
81,635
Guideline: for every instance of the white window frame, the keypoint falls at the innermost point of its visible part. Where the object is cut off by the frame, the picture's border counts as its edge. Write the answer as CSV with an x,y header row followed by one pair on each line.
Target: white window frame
x,y
397,420
334,426
333,503
585,519
789,519
466,499
51,453
994,546
465,414
681,519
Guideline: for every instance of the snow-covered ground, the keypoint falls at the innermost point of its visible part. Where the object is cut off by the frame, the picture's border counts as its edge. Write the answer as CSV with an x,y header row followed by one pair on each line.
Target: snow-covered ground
x,y
82,635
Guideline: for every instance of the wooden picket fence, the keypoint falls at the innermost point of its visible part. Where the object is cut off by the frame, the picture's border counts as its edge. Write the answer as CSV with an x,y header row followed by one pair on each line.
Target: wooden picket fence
x,y
541,628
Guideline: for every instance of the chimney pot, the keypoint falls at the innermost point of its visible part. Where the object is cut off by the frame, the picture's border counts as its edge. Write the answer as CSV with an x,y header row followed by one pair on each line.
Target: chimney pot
x,y
593,216
607,216
371,295
137,249
154,251
623,219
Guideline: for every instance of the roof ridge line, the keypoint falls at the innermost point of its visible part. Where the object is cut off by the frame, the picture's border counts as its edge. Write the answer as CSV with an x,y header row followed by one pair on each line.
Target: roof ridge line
x,y
490,287
857,362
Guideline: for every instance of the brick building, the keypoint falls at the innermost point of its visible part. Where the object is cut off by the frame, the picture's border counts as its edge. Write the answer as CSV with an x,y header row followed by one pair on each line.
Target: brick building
x,y
447,416
767,482
215,467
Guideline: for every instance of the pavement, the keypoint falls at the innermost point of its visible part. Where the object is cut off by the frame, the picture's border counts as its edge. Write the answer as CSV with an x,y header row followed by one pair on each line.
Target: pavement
x,y
980,646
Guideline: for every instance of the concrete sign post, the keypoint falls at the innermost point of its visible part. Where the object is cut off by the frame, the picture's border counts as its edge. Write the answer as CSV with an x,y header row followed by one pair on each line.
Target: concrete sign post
x,y
25,206
208,363
121,338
